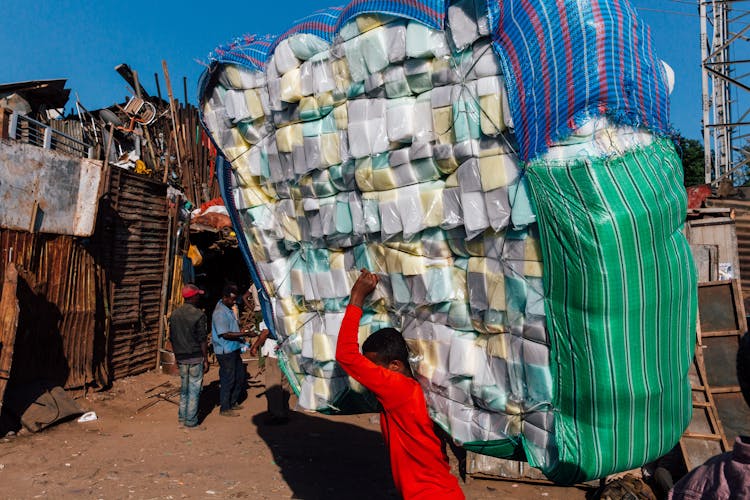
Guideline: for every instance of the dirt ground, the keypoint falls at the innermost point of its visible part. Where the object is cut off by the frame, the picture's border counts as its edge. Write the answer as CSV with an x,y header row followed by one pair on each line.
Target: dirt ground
x,y
127,453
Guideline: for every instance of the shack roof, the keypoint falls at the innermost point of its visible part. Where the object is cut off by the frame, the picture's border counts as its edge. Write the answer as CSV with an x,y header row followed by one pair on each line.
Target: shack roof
x,y
51,94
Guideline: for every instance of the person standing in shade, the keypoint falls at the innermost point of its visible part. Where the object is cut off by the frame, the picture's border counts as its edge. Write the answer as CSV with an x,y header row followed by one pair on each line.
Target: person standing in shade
x,y
277,385
226,335
188,333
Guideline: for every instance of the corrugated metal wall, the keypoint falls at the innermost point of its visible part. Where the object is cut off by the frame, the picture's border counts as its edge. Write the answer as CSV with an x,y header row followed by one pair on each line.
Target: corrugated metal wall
x,y
742,224
60,334
132,237
90,309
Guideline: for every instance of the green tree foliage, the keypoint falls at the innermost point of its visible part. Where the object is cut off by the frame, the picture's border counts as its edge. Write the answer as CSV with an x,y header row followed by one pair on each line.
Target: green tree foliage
x,y
693,161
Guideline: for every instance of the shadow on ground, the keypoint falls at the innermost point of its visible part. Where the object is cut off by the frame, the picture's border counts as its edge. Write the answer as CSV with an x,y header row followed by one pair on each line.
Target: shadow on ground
x,y
340,461
208,401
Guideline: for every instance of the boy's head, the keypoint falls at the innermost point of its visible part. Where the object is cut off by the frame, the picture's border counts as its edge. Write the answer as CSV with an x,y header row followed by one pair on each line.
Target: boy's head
x,y
743,367
229,295
387,348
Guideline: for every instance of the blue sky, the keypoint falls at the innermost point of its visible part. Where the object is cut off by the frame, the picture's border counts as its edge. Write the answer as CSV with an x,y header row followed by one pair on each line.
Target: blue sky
x,y
84,40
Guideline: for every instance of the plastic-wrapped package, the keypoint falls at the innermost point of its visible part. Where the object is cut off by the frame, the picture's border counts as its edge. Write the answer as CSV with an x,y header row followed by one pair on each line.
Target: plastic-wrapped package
x,y
396,83
374,47
422,41
388,144
305,46
468,21
283,59
442,114
395,37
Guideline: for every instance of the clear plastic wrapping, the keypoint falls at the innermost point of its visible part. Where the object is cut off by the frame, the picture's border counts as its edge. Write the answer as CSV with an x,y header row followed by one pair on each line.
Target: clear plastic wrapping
x,y
389,150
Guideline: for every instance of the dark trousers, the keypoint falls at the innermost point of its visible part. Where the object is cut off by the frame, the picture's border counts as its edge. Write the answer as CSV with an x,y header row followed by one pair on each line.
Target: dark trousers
x,y
232,379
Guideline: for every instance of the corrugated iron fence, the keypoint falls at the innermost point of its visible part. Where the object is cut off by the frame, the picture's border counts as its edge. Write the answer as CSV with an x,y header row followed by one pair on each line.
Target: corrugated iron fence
x,y
60,326
90,309
132,239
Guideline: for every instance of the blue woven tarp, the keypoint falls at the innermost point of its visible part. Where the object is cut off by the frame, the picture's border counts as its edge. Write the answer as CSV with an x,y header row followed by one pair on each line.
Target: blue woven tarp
x,y
564,60
250,51
568,60
253,51
428,12
327,23
324,24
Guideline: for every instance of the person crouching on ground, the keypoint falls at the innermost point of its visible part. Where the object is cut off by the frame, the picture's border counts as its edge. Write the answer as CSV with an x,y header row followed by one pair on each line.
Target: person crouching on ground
x,y
226,335
418,463
188,333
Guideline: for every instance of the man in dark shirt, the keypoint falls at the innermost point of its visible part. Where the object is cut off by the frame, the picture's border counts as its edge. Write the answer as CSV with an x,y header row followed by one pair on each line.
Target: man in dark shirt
x,y
188,332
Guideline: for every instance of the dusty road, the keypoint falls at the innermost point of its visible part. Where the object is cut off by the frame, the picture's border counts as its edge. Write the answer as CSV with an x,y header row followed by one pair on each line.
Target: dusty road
x,y
139,455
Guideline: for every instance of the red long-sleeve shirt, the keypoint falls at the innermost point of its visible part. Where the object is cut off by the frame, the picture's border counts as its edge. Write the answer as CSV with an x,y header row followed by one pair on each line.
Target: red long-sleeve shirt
x,y
418,463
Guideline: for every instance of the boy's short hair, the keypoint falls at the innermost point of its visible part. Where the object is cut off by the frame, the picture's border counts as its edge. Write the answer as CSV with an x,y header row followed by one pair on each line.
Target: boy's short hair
x,y
230,290
743,366
388,345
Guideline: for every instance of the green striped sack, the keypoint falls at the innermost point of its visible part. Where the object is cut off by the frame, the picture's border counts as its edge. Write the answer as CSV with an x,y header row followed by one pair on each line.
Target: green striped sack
x,y
620,298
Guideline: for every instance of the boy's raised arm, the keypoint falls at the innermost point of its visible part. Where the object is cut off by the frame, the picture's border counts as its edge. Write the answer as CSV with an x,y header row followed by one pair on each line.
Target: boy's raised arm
x,y
347,346
363,287
364,371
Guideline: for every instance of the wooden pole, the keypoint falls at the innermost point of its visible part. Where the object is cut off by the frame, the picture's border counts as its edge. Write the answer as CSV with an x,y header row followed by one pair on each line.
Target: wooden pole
x,y
165,285
158,87
174,120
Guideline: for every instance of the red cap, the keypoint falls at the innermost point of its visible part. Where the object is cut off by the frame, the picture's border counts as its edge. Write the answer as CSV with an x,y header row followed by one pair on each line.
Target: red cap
x,y
191,291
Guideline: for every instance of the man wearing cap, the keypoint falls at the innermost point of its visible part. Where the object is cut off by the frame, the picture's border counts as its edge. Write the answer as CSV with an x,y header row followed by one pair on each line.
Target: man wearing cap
x,y
188,332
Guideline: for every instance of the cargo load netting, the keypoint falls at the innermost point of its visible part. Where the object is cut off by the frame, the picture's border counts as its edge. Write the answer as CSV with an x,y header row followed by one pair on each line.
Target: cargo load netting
x,y
524,221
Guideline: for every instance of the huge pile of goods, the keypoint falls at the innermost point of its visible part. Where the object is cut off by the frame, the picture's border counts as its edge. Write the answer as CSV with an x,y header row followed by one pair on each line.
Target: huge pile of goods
x,y
501,168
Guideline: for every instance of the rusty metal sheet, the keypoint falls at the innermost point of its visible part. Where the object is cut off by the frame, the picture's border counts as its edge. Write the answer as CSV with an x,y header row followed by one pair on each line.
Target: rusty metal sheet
x,y
720,307
722,322
734,414
61,319
90,312
703,438
8,325
132,236
47,191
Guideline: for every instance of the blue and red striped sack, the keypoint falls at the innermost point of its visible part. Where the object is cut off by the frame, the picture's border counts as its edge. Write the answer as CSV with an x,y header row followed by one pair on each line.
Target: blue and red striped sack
x,y
566,61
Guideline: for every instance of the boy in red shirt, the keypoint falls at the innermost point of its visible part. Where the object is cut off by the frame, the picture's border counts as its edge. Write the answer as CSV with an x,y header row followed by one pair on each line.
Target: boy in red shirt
x,y
418,463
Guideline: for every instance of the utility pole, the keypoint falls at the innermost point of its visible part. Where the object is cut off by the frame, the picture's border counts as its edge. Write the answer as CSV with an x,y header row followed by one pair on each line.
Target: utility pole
x,y
725,60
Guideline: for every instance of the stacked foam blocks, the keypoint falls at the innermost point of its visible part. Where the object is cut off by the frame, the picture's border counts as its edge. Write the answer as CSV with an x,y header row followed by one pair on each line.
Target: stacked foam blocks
x,y
392,149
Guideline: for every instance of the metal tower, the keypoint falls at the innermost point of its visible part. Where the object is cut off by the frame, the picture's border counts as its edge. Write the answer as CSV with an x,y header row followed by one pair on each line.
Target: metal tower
x,y
725,56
